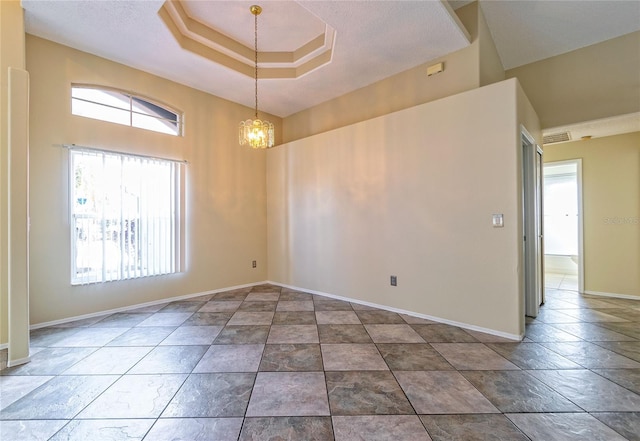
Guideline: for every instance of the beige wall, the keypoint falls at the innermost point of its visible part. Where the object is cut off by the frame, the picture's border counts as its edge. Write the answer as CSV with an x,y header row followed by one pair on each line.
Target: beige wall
x,y
409,194
611,209
463,71
595,82
225,218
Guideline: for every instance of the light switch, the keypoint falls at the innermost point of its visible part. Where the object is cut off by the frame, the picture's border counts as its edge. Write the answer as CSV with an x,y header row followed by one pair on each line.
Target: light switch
x,y
498,220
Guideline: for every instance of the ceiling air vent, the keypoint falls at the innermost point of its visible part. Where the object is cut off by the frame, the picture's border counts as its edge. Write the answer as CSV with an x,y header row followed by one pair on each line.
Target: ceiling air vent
x,y
556,137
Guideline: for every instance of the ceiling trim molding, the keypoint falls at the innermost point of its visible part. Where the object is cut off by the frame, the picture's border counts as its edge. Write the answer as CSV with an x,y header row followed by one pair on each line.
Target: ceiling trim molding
x,y
194,36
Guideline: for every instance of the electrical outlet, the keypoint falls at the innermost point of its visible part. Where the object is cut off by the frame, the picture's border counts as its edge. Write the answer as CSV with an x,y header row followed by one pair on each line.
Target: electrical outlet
x,y
394,281
254,264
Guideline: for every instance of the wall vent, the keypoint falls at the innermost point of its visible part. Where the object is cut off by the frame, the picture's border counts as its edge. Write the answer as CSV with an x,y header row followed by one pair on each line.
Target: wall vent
x,y
556,137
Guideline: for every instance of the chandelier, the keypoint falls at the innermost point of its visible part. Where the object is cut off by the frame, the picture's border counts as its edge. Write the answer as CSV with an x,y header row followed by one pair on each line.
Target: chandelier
x,y
257,133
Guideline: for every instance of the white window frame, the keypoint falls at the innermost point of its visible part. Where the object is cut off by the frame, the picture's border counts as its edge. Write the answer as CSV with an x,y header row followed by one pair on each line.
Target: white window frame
x,y
148,244
132,112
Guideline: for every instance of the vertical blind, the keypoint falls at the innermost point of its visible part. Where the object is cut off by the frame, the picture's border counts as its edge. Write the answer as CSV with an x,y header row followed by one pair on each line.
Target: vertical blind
x,y
124,216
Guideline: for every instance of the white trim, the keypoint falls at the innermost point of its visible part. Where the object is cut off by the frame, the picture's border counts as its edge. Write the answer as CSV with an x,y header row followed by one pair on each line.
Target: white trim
x,y
610,294
4,346
532,284
154,222
12,363
405,312
470,327
130,95
84,148
139,305
580,226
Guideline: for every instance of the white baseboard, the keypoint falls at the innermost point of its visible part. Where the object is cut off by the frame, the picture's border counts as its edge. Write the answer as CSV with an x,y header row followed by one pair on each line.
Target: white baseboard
x,y
610,294
4,346
470,327
18,362
139,305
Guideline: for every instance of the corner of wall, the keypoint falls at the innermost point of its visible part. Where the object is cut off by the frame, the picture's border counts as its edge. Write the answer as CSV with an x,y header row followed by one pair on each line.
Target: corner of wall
x,y
468,15
527,115
491,70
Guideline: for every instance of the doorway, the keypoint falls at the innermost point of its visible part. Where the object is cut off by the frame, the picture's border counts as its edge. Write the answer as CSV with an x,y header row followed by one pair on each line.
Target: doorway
x,y
563,255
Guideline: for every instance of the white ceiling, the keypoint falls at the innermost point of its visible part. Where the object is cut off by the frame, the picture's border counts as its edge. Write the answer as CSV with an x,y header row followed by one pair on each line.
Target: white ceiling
x,y
374,39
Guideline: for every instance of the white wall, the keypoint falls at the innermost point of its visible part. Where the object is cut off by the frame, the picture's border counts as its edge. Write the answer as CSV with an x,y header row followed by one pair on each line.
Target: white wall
x,y
409,194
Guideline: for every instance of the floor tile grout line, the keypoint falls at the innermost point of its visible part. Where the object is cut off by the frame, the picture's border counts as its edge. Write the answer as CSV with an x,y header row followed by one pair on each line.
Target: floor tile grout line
x,y
613,381
157,418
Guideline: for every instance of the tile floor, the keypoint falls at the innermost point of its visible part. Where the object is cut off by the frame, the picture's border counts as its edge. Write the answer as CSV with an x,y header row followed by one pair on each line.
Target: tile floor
x,y
567,282
266,363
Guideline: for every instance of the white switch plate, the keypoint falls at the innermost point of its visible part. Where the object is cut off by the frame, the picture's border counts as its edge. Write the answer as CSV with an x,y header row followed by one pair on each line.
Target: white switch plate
x,y
498,220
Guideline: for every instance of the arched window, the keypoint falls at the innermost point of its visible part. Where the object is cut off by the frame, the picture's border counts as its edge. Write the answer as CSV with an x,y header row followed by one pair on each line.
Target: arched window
x,y
122,107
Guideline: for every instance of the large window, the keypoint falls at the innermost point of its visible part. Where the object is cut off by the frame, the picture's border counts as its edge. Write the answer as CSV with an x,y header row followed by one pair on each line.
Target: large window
x,y
120,107
124,216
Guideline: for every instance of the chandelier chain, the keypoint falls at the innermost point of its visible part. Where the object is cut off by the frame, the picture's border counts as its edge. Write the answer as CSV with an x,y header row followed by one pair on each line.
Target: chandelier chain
x,y
255,44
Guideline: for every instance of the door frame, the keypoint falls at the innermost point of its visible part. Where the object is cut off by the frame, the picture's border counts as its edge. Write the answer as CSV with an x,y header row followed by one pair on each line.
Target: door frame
x,y
532,224
578,163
